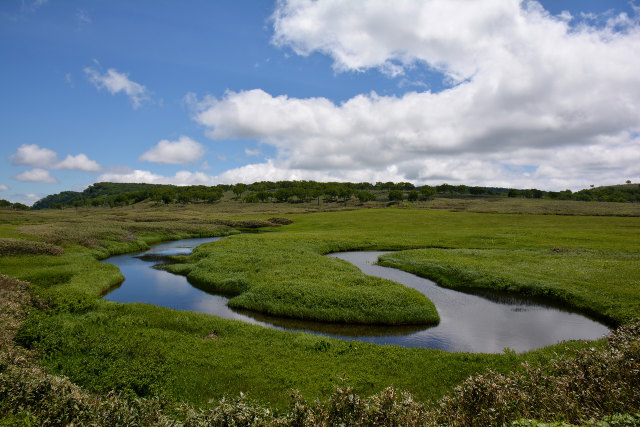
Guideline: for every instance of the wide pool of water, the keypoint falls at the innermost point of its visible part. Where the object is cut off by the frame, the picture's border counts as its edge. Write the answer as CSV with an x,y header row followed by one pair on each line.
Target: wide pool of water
x,y
487,322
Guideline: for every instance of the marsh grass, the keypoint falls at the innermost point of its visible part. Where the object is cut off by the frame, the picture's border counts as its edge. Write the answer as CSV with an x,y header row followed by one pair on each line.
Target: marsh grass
x,y
589,263
605,284
581,385
293,279
102,346
14,247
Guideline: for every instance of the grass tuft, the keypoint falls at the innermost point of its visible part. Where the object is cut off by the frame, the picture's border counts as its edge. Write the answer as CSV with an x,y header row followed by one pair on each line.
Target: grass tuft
x,y
15,247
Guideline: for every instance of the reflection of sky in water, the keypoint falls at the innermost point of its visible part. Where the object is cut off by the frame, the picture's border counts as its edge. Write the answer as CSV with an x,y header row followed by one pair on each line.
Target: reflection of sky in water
x,y
467,322
480,324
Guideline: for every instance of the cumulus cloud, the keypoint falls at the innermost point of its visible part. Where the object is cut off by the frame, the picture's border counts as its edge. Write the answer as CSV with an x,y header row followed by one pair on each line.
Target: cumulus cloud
x,y
40,157
3,187
34,155
36,175
27,199
116,82
142,176
184,150
525,88
80,163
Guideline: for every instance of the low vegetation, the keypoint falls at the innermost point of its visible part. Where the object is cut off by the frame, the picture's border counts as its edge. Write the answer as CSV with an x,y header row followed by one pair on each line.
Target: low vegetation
x,y
604,283
13,247
291,278
578,387
69,357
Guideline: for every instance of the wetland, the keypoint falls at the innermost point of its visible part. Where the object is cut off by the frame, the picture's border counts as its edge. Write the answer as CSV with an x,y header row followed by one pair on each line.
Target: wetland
x,y
480,322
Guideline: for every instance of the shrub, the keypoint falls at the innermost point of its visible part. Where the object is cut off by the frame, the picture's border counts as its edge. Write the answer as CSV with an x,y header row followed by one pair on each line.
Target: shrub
x,y
280,220
13,247
576,387
396,195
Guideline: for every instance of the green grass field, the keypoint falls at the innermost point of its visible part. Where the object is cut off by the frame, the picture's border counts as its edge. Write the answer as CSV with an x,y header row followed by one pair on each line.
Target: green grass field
x,y
589,262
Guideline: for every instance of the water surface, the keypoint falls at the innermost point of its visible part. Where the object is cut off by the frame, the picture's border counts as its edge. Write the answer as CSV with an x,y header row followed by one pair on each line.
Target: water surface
x,y
473,323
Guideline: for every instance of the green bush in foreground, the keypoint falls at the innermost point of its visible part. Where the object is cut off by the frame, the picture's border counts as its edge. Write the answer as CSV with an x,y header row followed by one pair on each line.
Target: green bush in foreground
x,y
577,387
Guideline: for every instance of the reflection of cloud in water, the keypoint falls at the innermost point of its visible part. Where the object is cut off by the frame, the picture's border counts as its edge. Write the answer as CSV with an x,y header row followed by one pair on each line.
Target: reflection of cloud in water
x,y
169,284
468,322
486,322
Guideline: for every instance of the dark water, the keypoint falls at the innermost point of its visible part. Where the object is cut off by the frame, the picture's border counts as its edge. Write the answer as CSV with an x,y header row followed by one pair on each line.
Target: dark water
x,y
472,323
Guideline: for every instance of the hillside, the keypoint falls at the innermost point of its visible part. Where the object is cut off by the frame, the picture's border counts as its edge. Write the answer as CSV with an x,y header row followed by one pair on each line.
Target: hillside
x,y
122,194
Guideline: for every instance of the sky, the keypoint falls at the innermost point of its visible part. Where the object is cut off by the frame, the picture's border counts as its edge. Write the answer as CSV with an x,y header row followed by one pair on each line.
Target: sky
x,y
501,93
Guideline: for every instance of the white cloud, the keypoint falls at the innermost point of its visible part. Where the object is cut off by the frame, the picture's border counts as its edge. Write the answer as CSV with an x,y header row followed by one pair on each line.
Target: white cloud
x,y
36,175
250,152
33,155
184,150
116,82
526,89
27,199
79,162
30,198
39,157
3,187
142,176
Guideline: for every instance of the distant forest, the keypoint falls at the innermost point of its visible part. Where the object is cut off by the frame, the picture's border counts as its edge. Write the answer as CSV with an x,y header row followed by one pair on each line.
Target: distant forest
x,y
115,194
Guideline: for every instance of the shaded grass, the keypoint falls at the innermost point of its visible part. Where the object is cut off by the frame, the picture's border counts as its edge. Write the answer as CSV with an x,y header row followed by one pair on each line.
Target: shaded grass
x,y
13,247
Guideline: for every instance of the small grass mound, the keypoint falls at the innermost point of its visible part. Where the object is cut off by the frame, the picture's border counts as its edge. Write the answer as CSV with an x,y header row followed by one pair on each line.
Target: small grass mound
x,y
292,278
15,247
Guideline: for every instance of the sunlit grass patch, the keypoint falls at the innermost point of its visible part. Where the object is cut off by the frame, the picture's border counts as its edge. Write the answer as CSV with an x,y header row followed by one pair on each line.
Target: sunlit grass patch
x,y
606,284
291,278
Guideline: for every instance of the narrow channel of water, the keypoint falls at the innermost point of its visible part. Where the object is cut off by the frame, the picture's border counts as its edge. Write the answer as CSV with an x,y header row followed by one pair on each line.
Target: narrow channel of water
x,y
471,323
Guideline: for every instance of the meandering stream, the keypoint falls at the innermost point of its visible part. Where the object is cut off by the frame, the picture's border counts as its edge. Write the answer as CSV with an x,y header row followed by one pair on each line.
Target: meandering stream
x,y
486,323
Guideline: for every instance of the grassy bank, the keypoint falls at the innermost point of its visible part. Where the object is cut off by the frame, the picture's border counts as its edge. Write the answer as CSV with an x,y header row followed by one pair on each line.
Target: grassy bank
x,y
290,277
587,262
144,350
578,386
605,284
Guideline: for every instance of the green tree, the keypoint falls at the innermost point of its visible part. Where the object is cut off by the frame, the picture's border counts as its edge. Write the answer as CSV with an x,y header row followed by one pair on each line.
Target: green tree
x,y
476,190
238,189
396,195
427,192
365,196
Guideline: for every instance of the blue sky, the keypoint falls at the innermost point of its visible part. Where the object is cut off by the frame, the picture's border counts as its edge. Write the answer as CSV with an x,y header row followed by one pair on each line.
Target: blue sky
x,y
492,92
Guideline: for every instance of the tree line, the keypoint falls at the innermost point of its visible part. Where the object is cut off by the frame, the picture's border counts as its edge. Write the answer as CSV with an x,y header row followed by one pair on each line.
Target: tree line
x,y
9,205
116,194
